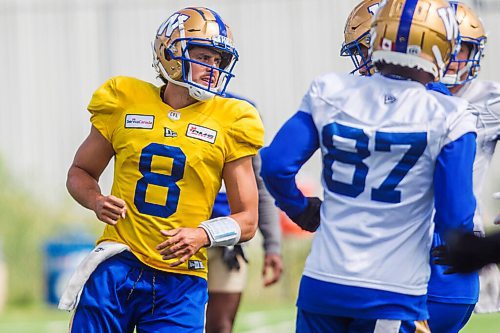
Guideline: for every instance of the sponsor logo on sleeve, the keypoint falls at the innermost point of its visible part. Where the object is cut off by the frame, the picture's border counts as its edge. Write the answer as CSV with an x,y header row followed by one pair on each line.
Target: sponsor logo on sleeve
x,y
139,121
201,133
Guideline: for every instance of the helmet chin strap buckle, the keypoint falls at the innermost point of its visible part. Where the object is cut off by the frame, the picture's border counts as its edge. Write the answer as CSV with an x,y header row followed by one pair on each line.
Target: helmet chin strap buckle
x,y
200,94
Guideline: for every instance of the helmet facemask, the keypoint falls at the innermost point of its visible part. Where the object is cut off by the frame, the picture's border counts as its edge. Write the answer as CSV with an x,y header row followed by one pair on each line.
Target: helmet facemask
x,y
468,69
219,76
360,59
472,34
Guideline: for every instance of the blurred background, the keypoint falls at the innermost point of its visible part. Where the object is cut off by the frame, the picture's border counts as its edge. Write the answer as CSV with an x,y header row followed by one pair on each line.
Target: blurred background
x,y
55,53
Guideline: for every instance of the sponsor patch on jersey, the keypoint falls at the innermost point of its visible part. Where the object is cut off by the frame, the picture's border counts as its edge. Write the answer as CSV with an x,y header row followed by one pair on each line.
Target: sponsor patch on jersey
x,y
174,115
139,121
195,265
170,133
201,133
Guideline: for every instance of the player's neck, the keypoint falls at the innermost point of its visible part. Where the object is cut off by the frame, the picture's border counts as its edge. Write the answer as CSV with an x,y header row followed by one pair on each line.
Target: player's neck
x,y
177,97
455,89
406,73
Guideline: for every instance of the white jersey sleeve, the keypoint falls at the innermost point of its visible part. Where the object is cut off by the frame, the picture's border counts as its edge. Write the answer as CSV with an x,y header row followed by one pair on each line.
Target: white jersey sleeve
x,y
484,99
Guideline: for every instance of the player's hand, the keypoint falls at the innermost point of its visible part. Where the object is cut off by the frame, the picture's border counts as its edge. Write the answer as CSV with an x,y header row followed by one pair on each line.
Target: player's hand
x,y
309,219
462,253
109,209
274,264
182,244
230,256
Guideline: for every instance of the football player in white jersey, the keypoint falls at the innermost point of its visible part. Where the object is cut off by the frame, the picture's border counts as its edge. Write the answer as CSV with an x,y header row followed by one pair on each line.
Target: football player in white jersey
x,y
391,151
452,298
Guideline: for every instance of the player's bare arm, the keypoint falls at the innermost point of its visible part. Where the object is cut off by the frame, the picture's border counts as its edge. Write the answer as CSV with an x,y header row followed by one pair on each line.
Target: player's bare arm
x,y
90,161
242,196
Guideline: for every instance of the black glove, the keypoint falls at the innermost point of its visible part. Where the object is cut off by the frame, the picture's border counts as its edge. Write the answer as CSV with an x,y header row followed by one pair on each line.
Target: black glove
x,y
466,252
230,256
309,219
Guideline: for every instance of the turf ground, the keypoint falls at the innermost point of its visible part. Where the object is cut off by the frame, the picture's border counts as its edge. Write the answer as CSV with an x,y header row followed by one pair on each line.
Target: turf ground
x,y
253,318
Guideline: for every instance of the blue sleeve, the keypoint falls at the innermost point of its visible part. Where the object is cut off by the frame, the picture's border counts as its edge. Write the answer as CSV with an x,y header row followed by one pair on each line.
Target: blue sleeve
x,y
221,206
453,193
292,146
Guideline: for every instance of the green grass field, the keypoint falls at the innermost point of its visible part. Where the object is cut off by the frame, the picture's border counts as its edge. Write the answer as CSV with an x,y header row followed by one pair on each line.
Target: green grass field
x,y
253,318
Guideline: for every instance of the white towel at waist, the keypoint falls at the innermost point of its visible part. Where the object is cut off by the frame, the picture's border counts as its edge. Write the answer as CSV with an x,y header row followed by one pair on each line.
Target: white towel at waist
x,y
71,296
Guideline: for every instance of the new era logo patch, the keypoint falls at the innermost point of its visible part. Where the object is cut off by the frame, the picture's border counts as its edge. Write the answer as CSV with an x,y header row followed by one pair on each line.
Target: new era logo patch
x,y
201,133
389,99
139,121
170,133
195,265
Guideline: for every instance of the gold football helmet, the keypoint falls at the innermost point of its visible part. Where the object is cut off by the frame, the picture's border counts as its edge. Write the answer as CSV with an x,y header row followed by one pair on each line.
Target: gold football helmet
x,y
418,34
471,33
357,36
187,28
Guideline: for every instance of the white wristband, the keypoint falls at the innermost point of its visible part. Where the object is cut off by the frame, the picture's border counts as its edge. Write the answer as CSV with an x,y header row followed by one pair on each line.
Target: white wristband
x,y
222,231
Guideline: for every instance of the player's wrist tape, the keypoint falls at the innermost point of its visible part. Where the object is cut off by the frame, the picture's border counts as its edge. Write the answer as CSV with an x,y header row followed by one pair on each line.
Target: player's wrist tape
x,y
222,231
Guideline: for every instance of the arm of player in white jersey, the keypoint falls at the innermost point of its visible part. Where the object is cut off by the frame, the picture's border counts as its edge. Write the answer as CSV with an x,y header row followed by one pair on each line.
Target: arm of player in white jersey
x,y
293,145
490,113
454,200
496,195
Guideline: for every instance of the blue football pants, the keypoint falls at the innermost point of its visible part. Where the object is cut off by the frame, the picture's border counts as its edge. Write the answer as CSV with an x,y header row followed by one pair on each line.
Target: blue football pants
x,y
448,317
308,322
123,294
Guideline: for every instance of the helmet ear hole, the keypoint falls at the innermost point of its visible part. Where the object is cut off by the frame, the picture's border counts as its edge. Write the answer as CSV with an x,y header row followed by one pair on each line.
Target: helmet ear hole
x,y
166,54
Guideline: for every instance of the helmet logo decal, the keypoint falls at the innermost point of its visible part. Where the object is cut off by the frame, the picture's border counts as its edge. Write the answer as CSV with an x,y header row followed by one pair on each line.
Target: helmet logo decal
x,y
450,22
173,22
222,41
414,50
373,9
386,44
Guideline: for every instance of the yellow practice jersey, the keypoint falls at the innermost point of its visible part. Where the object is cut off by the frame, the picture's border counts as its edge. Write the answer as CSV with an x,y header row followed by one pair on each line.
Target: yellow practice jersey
x,y
168,163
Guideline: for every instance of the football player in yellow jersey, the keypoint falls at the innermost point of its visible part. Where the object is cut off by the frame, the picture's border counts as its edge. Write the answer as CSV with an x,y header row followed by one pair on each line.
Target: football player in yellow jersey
x,y
172,146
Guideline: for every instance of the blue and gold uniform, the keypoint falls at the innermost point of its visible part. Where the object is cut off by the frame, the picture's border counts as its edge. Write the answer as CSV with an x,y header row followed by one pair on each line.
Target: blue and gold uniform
x,y
168,170
168,163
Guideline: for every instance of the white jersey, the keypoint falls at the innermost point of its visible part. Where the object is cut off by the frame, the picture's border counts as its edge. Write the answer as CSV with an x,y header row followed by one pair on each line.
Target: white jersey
x,y
484,97
379,139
